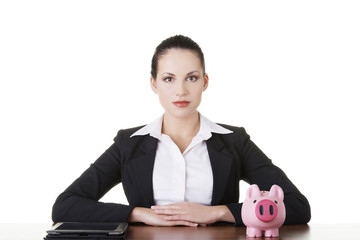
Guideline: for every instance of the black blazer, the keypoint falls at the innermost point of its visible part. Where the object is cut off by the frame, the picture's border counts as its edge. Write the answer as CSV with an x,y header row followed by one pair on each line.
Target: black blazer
x,y
233,157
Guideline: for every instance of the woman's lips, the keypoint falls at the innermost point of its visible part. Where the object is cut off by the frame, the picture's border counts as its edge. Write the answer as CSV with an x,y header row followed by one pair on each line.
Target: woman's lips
x,y
181,103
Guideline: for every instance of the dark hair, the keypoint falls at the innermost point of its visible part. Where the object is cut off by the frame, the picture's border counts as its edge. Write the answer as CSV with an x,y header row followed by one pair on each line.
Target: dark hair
x,y
179,42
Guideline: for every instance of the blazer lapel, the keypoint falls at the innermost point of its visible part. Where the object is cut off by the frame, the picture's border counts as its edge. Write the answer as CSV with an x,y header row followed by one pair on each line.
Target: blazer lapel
x,y
221,162
142,166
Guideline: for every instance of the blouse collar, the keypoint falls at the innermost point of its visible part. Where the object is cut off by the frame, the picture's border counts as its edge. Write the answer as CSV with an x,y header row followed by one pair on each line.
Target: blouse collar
x,y
207,127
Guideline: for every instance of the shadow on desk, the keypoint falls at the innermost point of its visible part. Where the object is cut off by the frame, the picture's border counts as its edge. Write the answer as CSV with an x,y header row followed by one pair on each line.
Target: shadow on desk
x,y
209,233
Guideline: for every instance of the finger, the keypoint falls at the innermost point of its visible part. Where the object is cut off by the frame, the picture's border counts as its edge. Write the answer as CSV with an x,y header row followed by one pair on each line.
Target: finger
x,y
176,218
182,223
187,218
163,207
169,211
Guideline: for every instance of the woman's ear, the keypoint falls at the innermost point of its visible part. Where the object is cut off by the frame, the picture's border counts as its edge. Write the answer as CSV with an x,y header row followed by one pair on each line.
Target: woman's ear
x,y
153,84
206,81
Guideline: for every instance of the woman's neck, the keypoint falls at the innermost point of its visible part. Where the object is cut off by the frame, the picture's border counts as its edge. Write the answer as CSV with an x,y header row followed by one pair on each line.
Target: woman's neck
x,y
181,127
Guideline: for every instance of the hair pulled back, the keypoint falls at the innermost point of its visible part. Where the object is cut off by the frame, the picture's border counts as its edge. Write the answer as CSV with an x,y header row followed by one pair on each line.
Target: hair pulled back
x,y
177,42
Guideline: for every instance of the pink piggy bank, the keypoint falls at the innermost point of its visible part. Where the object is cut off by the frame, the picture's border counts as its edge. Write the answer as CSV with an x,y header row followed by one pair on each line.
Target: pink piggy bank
x,y
263,211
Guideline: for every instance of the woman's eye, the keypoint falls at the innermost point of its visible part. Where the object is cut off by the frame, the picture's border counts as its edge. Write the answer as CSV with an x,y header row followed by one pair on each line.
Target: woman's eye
x,y
168,79
192,78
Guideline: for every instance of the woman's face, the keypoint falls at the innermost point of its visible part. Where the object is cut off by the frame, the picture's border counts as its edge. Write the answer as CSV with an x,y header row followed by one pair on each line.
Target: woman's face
x,y
179,82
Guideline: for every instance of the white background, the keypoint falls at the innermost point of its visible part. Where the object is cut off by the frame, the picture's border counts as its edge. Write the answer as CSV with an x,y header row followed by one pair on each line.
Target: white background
x,y
75,72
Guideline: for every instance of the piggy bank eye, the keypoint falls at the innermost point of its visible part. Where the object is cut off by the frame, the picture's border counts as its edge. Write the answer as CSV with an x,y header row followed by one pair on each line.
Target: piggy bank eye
x,y
254,201
275,201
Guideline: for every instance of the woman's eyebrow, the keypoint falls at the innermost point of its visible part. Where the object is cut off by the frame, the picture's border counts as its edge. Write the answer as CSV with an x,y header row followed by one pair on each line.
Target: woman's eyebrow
x,y
193,72
171,74
167,73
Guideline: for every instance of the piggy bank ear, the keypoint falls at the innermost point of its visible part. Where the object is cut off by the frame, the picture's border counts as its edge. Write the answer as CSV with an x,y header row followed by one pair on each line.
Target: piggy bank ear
x,y
277,192
253,192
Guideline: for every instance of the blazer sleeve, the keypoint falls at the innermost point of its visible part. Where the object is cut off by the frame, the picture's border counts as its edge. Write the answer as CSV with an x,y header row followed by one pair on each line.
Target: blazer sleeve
x,y
80,201
257,168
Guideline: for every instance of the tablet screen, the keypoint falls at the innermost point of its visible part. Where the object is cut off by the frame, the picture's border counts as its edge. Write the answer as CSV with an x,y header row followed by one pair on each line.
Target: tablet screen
x,y
88,228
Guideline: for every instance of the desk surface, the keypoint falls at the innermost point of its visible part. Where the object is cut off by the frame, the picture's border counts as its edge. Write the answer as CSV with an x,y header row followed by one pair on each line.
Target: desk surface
x,y
303,232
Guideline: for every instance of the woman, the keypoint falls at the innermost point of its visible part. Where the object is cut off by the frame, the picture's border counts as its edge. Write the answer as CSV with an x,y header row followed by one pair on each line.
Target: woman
x,y
181,169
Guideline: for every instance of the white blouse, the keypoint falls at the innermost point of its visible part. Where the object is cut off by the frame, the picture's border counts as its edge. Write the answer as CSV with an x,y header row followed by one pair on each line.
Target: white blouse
x,y
186,176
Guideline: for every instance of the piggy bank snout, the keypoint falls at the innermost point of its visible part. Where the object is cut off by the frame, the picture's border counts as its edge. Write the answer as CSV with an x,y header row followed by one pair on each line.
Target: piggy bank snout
x,y
266,210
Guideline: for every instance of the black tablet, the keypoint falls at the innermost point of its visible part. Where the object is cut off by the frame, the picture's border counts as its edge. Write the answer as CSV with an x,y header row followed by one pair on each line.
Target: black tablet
x,y
86,230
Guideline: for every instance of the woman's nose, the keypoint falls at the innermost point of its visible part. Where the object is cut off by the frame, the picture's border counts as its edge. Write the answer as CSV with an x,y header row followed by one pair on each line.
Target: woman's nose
x,y
181,88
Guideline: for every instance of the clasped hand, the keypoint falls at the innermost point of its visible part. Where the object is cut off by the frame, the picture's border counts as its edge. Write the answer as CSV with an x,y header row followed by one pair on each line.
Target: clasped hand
x,y
184,213
189,214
